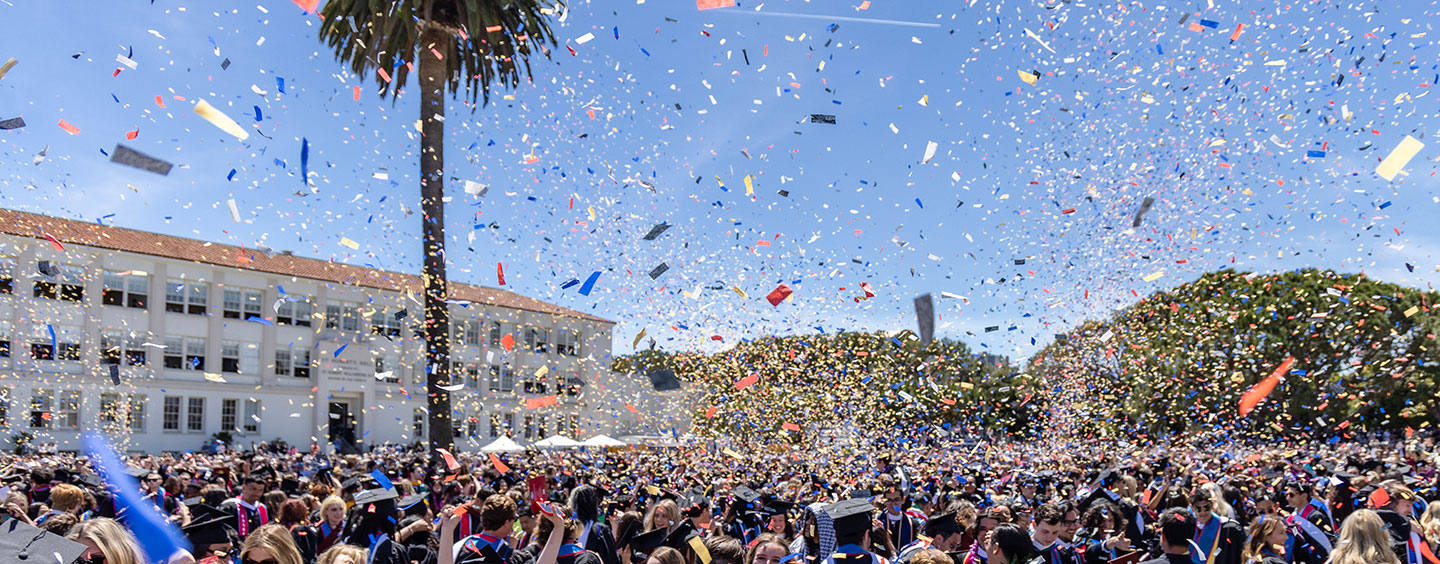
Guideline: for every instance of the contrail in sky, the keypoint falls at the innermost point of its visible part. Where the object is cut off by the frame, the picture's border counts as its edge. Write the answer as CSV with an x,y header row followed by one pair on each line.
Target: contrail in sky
x,y
832,18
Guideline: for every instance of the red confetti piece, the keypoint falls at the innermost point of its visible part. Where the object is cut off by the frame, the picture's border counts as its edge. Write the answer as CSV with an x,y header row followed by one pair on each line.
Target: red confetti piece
x,y
500,272
713,4
69,128
499,467
545,401
54,242
308,5
1258,392
357,93
131,135
385,76
778,295
747,381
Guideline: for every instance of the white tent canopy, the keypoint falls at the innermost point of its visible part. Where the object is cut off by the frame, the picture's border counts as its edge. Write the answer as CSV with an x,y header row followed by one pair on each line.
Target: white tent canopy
x,y
602,441
502,444
557,441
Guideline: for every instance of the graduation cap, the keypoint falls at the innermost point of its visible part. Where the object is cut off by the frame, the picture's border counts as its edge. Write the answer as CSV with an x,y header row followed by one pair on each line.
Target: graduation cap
x,y
943,525
663,380
21,543
377,495
87,479
290,486
416,504
218,529
851,516
646,542
776,507
139,473
679,539
745,495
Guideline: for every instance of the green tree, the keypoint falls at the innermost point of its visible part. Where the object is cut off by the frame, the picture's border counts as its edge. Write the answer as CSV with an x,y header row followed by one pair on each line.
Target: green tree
x,y
1180,360
873,381
480,43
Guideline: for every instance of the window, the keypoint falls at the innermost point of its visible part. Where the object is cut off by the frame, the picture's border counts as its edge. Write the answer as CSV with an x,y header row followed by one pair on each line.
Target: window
x,y
540,429
60,282
417,422
467,372
510,424
529,427
111,409
567,342
241,304
117,346
473,426
40,416
297,313
227,415
383,322
497,332
195,415
537,339
186,297
4,407
251,422
137,412
465,331
501,379
570,387
185,353
344,316
55,342
574,426
494,425
536,386
127,289
229,359
170,419
5,339
7,275
388,363
292,362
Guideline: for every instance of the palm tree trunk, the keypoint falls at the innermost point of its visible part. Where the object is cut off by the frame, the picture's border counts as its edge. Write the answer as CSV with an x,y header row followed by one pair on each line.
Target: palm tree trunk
x,y
432,214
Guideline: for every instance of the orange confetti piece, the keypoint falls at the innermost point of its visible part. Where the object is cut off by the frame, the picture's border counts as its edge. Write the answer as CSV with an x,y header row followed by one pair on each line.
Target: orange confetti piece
x,y
159,101
308,5
544,401
631,408
747,381
1258,392
1236,34
385,76
131,135
357,93
508,341
710,413
499,466
712,4
790,426
449,459
69,128
494,28
54,242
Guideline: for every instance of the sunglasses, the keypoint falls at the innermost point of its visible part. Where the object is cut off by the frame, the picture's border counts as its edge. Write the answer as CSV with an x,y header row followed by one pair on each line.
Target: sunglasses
x,y
267,561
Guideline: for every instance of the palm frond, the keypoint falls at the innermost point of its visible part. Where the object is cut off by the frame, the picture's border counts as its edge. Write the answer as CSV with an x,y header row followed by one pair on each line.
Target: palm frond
x,y
491,40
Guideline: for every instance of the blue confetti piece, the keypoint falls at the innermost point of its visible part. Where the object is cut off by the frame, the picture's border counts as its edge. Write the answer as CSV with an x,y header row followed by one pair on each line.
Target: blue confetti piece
x,y
1385,205
1159,50
382,479
917,202
617,32
259,116
230,176
159,539
260,320
304,161
1315,154
280,84
589,283
337,351
570,284
1210,23
51,328
642,50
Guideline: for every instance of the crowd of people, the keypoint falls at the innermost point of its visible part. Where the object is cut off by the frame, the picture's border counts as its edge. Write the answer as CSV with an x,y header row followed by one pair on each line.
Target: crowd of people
x,y
1362,500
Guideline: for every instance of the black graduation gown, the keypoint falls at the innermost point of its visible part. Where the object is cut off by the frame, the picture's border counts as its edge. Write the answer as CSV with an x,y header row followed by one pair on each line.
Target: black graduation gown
x,y
1056,554
419,553
602,543
388,551
307,541
1399,528
1231,546
1307,551
1133,531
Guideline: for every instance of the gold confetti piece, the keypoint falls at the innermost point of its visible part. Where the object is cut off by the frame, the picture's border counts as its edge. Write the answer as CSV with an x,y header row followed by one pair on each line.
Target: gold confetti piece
x,y
345,241
749,186
220,120
1399,157
738,291
1029,77
1154,277
214,377
7,66
1412,311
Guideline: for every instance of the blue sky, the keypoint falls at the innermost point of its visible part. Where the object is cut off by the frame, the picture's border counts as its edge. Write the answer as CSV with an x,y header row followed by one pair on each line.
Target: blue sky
x,y
1257,155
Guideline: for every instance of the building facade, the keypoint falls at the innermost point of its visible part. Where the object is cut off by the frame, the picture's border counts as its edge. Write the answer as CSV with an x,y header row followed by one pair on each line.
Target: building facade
x,y
165,342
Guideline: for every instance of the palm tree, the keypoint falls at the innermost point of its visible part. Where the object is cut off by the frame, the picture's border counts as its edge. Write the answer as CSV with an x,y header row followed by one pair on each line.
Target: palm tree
x,y
479,42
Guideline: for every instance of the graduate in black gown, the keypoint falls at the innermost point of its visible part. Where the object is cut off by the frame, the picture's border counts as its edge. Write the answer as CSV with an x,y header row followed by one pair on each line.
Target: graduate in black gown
x,y
372,523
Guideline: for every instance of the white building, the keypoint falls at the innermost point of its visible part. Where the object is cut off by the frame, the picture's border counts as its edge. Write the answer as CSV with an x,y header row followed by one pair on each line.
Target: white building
x,y
207,338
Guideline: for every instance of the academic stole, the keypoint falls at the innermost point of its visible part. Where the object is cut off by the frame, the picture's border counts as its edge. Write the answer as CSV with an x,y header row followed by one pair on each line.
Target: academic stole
x,y
245,519
1210,531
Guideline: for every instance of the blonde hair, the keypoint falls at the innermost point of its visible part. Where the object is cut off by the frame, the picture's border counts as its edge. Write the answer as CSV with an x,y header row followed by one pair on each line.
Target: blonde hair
x,y
114,540
672,513
1430,524
331,500
1259,540
1363,540
357,555
276,540
66,498
1217,501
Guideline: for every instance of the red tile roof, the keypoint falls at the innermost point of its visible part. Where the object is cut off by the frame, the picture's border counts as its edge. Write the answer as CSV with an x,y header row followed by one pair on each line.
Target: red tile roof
x,y
73,232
